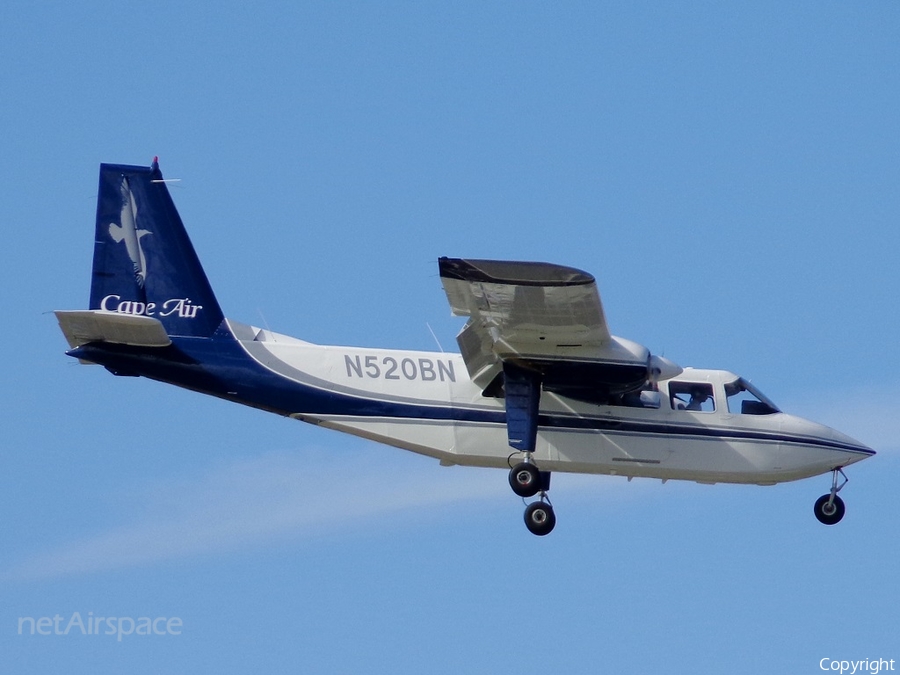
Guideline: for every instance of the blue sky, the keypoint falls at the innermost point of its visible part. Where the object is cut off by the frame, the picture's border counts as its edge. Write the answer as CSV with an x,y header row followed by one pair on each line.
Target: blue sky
x,y
728,173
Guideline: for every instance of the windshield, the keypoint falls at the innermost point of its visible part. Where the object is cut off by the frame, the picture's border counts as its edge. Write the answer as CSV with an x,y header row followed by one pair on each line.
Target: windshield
x,y
745,399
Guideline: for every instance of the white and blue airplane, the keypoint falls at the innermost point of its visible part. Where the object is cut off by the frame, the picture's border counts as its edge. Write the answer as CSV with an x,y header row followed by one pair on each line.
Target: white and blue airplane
x,y
540,384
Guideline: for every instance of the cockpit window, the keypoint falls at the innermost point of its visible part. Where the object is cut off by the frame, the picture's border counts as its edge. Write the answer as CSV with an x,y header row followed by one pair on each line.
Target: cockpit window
x,y
745,399
694,397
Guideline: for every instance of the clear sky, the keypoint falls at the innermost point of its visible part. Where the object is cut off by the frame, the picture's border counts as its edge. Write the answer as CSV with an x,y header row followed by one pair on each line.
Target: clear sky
x,y
728,171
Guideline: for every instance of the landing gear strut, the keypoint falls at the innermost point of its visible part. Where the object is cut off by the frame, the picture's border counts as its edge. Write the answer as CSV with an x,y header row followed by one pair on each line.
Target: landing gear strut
x,y
829,509
522,396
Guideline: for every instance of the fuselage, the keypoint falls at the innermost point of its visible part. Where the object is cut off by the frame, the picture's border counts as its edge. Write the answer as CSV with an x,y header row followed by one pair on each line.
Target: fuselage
x,y
425,402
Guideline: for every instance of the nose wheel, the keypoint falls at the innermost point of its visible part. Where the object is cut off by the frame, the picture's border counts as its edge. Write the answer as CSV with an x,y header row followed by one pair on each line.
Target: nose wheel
x,y
829,509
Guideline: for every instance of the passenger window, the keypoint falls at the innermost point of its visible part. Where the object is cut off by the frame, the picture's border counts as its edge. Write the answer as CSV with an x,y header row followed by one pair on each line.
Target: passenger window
x,y
645,398
692,397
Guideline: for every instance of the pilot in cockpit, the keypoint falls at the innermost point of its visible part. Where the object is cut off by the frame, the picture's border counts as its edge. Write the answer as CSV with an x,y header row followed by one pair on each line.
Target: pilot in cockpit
x,y
698,397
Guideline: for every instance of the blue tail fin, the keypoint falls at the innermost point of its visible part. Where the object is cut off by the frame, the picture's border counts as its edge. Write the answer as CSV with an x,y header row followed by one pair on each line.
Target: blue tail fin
x,y
144,262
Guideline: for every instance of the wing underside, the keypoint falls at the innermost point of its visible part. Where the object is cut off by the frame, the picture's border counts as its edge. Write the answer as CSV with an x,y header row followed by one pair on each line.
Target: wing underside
x,y
544,318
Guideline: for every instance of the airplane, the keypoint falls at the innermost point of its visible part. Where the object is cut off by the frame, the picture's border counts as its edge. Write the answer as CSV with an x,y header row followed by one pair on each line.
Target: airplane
x,y
540,384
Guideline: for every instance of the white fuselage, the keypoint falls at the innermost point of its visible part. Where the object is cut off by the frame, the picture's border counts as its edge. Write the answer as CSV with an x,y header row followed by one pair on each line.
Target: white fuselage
x,y
456,424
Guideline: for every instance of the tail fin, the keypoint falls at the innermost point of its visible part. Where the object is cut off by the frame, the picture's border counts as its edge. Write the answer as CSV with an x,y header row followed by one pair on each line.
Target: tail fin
x,y
144,263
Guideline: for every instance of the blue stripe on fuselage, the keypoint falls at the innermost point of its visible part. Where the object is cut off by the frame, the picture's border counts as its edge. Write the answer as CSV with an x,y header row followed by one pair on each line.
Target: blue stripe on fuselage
x,y
220,366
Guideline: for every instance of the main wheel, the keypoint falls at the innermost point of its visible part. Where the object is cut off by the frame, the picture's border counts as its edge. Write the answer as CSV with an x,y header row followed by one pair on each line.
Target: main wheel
x,y
829,514
539,518
525,479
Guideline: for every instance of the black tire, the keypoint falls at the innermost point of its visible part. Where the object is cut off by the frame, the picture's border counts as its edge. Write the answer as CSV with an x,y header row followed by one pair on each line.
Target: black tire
x,y
826,515
525,479
539,518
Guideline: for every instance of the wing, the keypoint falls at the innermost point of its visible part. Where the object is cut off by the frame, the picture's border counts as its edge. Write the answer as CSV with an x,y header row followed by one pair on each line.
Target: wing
x,y
542,317
533,301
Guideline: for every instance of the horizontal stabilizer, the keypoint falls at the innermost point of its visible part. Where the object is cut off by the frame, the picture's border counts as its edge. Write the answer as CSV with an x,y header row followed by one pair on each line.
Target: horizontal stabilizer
x,y
83,326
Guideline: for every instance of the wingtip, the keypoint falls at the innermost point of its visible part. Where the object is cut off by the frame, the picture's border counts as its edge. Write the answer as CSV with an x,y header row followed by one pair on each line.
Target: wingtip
x,y
519,273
